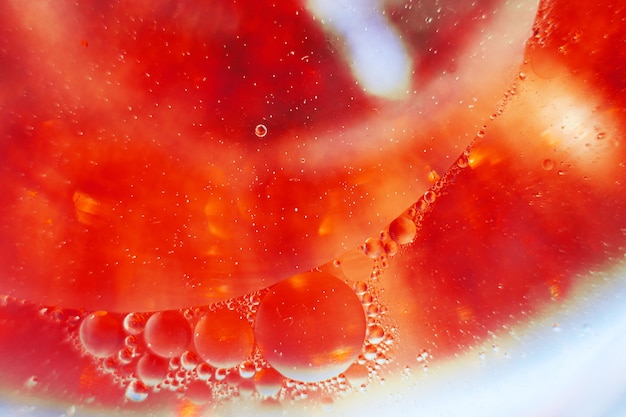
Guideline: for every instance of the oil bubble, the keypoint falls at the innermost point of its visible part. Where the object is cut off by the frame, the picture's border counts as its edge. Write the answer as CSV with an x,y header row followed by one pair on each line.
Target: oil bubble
x,y
136,391
430,196
402,230
247,369
391,248
204,371
189,360
463,161
375,334
268,381
547,164
360,287
199,393
134,323
101,334
260,130
167,333
151,369
223,338
373,247
310,327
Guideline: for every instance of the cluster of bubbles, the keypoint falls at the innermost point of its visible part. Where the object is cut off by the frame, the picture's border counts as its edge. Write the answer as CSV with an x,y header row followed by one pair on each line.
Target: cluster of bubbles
x,y
214,353
247,347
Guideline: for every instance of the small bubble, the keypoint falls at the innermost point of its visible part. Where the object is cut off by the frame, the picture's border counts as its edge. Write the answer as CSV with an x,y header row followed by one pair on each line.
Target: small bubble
x,y
367,299
373,247
199,393
167,333
370,351
204,371
221,374
101,334
372,310
430,196
391,248
433,176
247,369
268,381
31,382
402,230
125,356
152,370
375,334
600,135
136,391
134,323
260,130
360,287
462,162
547,164
522,75
174,363
189,360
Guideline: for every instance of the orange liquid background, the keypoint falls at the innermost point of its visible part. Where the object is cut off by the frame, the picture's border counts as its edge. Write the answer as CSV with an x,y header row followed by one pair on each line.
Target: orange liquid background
x,y
539,205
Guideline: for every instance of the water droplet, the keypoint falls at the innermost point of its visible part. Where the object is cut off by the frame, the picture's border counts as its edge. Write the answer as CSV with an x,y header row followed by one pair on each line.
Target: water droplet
x,y
402,230
151,369
167,333
101,334
223,338
260,130
308,318
547,164
373,247
136,391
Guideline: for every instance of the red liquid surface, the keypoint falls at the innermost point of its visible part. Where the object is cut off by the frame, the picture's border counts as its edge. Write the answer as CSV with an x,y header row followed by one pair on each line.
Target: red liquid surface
x,y
137,180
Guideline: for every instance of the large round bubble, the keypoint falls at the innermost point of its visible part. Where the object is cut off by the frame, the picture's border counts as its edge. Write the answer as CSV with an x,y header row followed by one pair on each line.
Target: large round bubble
x,y
310,327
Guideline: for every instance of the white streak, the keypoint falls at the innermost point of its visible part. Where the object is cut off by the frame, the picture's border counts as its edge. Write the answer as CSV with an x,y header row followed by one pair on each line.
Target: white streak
x,y
374,51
